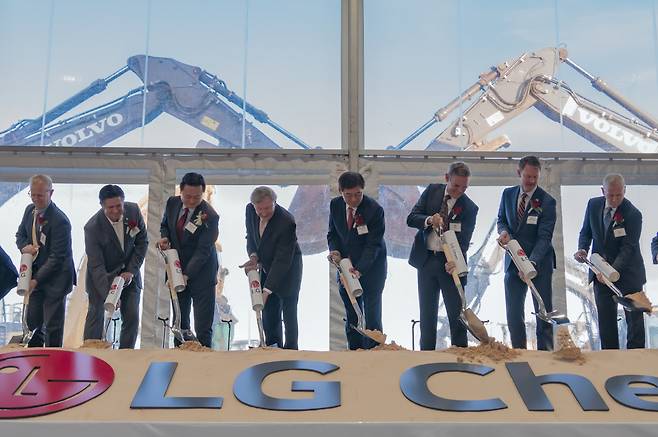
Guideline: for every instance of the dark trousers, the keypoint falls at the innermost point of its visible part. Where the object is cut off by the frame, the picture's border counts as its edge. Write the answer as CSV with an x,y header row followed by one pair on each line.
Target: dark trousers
x,y
274,307
370,303
129,316
607,310
515,294
45,316
432,280
203,300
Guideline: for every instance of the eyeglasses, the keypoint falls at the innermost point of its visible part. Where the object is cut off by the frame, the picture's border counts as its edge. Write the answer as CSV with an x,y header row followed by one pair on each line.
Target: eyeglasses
x,y
38,195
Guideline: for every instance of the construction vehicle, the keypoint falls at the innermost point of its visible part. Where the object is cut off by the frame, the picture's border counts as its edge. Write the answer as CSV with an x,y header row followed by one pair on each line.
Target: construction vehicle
x,y
204,101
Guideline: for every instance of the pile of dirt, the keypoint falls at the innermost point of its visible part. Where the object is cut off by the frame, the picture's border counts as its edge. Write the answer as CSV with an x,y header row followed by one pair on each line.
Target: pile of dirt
x,y
493,351
13,346
641,300
193,346
566,349
96,344
376,335
393,346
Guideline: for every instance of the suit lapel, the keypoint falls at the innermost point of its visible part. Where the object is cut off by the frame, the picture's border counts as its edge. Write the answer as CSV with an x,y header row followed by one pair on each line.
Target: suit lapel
x,y
598,214
173,219
514,207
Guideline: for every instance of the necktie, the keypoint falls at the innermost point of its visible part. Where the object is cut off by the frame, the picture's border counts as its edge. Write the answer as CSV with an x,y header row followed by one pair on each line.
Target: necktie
x,y
35,242
520,212
180,224
350,218
607,218
261,227
117,230
443,212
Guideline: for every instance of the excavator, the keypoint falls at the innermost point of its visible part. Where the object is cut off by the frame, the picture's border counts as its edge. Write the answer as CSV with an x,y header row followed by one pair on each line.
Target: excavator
x,y
205,102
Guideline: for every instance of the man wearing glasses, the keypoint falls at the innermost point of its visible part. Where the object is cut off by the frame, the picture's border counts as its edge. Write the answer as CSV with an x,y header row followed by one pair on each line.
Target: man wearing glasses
x,y
356,231
45,232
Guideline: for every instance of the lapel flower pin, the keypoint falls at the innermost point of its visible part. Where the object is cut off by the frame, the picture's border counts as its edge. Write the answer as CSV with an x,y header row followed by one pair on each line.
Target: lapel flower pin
x,y
359,220
618,218
201,218
536,205
456,210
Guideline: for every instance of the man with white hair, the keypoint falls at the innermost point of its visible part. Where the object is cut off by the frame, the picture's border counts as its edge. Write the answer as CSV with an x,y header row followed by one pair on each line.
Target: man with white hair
x,y
272,245
613,226
45,232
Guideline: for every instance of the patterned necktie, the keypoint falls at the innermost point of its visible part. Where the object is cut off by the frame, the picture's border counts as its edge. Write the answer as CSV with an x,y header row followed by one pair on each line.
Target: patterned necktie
x,y
607,218
520,212
35,242
443,212
180,224
350,218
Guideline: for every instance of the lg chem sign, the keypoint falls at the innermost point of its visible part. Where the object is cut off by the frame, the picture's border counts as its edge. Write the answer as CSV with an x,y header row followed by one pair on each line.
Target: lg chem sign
x,y
38,382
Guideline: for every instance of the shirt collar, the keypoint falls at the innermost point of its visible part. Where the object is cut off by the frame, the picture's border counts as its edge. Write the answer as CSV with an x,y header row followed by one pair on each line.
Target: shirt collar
x,y
118,221
530,194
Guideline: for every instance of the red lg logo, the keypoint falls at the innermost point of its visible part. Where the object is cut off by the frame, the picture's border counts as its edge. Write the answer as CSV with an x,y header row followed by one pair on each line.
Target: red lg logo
x,y
38,382
23,268
177,264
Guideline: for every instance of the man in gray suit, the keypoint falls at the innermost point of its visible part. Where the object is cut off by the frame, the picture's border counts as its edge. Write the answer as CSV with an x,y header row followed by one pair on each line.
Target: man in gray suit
x,y
45,232
115,243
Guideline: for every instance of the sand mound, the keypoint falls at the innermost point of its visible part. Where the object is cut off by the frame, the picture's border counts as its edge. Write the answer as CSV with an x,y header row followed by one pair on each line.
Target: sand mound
x,y
96,344
493,351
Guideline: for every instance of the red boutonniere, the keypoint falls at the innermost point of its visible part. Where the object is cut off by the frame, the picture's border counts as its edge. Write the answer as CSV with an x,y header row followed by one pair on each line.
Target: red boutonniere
x,y
201,218
41,220
456,211
536,205
618,218
359,220
132,228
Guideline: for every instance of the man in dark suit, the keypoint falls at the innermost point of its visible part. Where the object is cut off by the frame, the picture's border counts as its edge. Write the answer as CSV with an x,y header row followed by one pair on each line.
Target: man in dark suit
x,y
8,274
45,232
356,231
654,249
272,243
527,215
445,207
191,226
115,243
612,226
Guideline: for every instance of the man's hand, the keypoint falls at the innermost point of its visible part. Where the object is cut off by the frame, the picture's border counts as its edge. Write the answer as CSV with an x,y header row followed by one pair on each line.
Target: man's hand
x,y
580,256
334,256
355,273
127,278
450,267
250,265
32,250
436,221
599,277
164,244
504,238
33,285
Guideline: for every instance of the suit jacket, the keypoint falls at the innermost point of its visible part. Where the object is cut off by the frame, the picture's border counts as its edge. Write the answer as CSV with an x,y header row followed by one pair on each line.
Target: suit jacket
x,y
278,251
654,248
366,251
429,204
536,240
53,267
105,258
196,251
8,274
622,252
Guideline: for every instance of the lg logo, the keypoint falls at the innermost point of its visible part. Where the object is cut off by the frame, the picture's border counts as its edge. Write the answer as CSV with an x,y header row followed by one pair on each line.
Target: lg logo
x,y
34,383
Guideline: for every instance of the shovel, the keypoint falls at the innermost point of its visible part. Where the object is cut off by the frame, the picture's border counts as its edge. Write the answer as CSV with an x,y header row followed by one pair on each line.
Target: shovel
x,y
175,326
626,302
360,328
467,316
27,333
554,317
